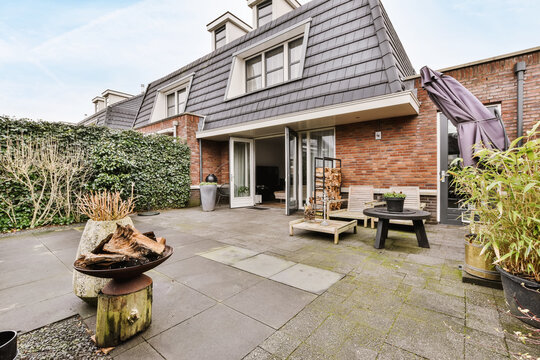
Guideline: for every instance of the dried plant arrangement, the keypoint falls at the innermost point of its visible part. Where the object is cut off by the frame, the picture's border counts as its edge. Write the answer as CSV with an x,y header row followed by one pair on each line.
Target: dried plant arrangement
x,y
106,205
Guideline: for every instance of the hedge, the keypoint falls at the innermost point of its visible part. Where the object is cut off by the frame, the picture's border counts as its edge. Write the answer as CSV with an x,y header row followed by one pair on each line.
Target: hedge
x,y
156,165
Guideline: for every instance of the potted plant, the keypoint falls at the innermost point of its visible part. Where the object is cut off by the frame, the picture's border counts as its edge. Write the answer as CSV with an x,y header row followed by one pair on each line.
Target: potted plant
x,y
394,201
243,191
511,219
479,256
208,195
104,210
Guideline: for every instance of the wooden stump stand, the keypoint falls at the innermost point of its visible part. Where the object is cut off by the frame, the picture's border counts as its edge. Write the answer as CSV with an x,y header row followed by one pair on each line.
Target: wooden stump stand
x,y
124,310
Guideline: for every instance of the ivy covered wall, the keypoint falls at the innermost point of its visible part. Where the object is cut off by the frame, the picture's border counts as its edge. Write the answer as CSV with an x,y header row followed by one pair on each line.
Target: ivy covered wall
x,y
157,166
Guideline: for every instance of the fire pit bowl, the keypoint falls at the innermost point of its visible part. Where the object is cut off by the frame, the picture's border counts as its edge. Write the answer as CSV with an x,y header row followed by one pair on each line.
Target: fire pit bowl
x,y
126,273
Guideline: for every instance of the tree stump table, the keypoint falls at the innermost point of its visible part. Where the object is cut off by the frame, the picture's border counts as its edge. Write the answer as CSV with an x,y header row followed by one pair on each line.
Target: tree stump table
x,y
124,310
384,216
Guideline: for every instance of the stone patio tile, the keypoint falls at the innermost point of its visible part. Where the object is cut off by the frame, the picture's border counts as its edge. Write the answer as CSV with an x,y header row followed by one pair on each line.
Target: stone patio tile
x,y
58,240
143,351
263,265
213,279
331,334
217,333
473,352
480,299
270,302
307,352
428,334
66,256
228,255
34,268
183,252
431,300
260,354
304,323
35,315
343,287
352,350
442,288
377,299
389,352
373,319
172,304
177,238
307,278
484,340
281,344
518,348
35,292
485,319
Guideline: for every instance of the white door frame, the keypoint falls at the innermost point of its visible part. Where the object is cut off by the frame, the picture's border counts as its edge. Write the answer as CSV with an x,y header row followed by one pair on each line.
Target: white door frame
x,y
244,201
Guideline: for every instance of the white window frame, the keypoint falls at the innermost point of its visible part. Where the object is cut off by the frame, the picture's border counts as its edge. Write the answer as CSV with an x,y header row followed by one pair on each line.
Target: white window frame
x,y
266,3
237,82
159,111
221,29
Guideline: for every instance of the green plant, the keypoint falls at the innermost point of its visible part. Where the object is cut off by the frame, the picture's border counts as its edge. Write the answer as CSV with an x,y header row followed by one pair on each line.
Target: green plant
x,y
157,165
243,190
505,192
394,195
208,183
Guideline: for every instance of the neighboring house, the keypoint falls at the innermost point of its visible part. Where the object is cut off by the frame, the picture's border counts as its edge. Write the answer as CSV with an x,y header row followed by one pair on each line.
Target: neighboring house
x,y
114,109
328,78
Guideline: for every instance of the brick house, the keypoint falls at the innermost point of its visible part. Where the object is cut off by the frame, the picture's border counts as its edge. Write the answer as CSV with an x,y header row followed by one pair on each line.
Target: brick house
x,y
328,78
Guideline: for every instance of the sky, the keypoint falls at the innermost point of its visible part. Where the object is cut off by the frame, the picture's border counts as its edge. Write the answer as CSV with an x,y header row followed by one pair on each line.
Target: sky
x,y
56,55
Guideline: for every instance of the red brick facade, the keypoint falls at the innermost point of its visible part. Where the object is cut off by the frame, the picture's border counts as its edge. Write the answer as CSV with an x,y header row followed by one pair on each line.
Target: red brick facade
x,y
407,152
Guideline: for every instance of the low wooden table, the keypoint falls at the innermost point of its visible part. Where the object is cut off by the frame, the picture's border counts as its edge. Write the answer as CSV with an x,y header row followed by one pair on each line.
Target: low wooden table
x,y
384,216
334,227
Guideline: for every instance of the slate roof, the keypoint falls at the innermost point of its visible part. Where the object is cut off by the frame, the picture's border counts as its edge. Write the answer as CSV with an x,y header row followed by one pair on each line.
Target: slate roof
x,y
119,115
353,53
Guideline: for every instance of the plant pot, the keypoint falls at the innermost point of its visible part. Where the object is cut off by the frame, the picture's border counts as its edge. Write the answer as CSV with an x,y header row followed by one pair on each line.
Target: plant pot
x,y
8,345
394,204
88,287
477,265
208,197
521,293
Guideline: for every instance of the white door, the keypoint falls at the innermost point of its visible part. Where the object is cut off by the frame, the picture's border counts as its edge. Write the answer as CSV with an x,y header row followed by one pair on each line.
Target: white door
x,y
242,172
291,171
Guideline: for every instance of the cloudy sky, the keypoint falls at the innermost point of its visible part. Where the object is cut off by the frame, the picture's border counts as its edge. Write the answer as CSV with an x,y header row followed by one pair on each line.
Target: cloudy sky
x,y
56,55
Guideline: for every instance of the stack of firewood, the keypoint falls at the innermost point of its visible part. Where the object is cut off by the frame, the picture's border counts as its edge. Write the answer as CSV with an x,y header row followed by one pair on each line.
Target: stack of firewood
x,y
332,185
124,248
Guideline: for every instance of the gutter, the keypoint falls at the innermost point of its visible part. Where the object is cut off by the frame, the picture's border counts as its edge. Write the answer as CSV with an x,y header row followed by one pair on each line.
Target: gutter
x,y
519,70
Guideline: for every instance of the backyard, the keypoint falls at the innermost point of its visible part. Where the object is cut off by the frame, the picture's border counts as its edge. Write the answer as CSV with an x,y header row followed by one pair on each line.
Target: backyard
x,y
254,292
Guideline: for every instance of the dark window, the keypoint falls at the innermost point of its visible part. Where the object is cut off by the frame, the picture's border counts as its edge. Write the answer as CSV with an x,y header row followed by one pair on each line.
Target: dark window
x,y
264,13
254,73
170,105
219,37
181,95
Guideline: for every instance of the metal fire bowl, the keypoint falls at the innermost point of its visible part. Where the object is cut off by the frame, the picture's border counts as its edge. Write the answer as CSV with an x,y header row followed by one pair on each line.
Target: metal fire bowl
x,y
128,272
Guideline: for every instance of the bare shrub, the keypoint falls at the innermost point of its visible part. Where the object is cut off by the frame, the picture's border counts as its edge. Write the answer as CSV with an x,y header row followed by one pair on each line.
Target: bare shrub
x,y
105,205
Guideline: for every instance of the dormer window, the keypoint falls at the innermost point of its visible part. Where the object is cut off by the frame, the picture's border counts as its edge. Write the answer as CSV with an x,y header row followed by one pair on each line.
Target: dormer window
x,y
264,13
220,38
270,62
176,102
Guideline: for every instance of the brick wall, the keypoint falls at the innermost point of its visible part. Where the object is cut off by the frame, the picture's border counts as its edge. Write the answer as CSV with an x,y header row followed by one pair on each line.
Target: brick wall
x,y
216,159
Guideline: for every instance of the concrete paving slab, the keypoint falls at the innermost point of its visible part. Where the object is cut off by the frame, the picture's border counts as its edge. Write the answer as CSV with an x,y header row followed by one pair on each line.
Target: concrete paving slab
x,y
40,267
217,333
143,351
229,255
270,302
190,250
213,279
58,240
263,265
172,304
307,278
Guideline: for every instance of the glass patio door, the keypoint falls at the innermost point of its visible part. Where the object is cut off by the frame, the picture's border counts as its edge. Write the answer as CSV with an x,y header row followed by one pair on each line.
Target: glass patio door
x,y
241,173
449,150
291,171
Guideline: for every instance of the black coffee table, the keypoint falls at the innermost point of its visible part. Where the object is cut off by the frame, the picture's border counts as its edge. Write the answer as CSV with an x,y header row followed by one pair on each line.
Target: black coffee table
x,y
384,216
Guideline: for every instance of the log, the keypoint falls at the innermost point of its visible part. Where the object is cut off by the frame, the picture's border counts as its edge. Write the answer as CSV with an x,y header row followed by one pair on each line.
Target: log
x,y
126,240
123,311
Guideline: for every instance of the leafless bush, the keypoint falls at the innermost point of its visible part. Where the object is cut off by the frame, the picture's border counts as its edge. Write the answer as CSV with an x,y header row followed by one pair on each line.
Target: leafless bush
x,y
50,175
103,206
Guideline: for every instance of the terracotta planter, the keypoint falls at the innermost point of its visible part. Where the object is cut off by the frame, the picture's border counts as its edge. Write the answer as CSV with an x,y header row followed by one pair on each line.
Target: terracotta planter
x,y
84,286
477,265
521,293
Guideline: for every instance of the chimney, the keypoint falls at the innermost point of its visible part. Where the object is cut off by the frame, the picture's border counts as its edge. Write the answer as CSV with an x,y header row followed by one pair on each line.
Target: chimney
x,y
226,28
265,11
99,103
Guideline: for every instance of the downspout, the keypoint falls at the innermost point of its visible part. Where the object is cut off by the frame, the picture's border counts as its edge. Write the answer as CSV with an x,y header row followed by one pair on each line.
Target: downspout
x,y
520,73
175,125
201,128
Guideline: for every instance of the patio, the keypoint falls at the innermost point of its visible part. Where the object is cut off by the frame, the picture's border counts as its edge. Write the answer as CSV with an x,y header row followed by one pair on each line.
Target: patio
x,y
238,286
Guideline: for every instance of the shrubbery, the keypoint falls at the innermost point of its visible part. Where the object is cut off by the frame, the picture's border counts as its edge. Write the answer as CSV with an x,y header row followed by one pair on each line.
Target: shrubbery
x,y
156,165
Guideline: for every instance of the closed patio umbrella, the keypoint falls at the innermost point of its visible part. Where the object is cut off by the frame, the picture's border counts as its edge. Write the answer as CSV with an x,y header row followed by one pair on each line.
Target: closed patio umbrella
x,y
475,124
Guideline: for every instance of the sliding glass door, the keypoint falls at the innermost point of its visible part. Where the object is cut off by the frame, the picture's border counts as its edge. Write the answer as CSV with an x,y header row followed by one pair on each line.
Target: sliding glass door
x,y
291,171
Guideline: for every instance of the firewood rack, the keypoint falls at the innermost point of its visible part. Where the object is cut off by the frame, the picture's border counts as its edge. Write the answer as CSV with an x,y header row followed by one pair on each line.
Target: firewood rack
x,y
327,162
